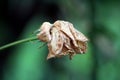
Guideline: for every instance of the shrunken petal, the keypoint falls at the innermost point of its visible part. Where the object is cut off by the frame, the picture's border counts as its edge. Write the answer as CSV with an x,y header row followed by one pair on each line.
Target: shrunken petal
x,y
63,39
77,35
44,34
64,27
56,44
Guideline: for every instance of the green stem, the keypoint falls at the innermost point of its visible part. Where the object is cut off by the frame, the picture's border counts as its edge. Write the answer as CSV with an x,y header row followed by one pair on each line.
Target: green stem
x,y
18,42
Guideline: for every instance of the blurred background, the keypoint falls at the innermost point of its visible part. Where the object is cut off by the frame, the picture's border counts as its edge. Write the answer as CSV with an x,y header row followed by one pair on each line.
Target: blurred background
x,y
99,20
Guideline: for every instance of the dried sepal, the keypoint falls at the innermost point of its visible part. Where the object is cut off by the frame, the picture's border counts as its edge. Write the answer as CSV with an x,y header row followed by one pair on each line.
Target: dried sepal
x,y
63,39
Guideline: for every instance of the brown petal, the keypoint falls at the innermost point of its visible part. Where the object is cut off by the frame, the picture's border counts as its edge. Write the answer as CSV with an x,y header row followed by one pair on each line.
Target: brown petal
x,y
44,34
78,35
50,55
64,27
81,48
67,48
56,44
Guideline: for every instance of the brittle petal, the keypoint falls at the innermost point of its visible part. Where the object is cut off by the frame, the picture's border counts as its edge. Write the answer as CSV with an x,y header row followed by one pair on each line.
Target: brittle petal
x,y
56,44
78,35
64,27
44,34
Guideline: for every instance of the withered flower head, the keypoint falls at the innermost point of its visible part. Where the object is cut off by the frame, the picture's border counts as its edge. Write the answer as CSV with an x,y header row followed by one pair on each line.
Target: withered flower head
x,y
62,39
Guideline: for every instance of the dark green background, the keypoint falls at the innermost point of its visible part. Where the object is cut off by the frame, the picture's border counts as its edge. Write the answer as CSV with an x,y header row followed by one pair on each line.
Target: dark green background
x,y
99,20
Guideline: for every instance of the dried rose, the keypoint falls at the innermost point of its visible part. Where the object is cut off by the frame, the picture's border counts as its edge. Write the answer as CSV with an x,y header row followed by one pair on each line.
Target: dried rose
x,y
63,39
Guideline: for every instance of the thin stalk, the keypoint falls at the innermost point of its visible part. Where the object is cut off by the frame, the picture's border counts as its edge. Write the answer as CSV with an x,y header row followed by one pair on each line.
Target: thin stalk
x,y
18,42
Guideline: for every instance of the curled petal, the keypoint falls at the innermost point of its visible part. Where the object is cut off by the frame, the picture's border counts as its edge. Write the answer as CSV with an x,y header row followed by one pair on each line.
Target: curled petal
x,y
64,27
77,35
56,44
44,34
80,39
81,48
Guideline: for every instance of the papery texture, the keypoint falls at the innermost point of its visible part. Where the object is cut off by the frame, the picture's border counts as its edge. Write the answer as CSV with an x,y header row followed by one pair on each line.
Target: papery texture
x,y
62,38
44,34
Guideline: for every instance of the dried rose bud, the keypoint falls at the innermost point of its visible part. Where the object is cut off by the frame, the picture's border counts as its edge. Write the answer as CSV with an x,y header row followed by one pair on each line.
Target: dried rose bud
x,y
63,39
